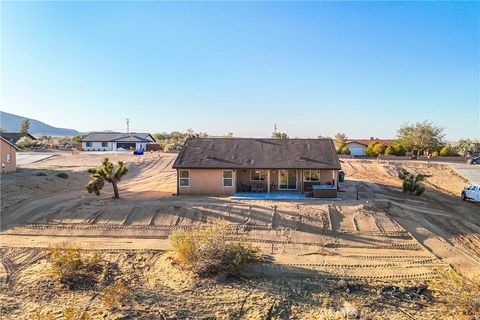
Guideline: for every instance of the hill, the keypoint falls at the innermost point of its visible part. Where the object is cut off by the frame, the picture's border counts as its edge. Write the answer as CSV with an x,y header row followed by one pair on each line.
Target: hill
x,y
11,123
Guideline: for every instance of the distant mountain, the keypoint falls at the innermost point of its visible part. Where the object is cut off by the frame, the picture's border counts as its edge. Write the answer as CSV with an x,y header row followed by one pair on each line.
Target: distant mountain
x,y
11,123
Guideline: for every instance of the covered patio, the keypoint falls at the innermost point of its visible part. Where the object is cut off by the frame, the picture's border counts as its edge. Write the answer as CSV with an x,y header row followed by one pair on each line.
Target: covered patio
x,y
283,181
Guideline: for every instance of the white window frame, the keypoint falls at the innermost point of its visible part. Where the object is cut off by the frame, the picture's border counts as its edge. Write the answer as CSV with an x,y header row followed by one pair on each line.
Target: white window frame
x,y
180,178
310,175
259,180
105,143
88,144
223,179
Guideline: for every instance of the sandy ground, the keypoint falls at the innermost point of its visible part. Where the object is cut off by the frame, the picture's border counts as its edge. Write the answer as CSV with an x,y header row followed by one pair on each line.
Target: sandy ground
x,y
385,236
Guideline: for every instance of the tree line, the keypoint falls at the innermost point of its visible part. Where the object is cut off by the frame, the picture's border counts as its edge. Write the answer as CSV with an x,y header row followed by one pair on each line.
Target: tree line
x,y
421,138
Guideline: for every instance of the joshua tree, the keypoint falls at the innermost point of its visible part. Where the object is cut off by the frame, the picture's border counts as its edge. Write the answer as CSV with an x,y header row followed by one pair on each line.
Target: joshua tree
x,y
412,182
106,172
25,126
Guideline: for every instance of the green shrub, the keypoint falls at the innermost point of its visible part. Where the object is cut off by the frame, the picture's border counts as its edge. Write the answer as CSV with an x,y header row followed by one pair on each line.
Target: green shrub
x,y
379,148
209,250
390,151
399,150
435,153
446,151
62,175
74,269
369,149
412,183
345,150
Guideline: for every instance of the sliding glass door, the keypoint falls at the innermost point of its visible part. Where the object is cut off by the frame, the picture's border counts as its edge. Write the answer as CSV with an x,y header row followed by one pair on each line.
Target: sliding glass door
x,y
287,179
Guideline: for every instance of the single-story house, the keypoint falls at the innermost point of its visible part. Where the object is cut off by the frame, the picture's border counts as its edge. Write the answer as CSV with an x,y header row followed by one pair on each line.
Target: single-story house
x,y
357,146
13,137
8,152
111,141
225,166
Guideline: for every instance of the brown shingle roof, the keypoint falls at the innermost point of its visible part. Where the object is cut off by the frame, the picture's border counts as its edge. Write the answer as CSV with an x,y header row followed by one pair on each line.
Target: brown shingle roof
x,y
258,153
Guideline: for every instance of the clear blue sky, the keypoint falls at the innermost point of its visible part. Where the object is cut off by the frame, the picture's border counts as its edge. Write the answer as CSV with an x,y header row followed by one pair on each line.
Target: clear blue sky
x,y
313,68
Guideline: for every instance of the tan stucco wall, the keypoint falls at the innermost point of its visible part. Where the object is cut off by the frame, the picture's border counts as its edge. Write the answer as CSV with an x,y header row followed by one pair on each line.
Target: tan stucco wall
x,y
206,181
5,150
243,176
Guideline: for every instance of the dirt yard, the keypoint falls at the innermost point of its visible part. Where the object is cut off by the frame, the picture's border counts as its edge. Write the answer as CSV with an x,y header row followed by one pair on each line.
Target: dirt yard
x,y
384,238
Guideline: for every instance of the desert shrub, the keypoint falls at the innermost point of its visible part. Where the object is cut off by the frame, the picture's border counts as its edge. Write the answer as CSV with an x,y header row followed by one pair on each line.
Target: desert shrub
x,y
447,151
399,150
435,153
369,149
73,268
115,295
389,151
460,294
412,183
209,250
62,175
172,147
345,150
41,174
379,148
25,142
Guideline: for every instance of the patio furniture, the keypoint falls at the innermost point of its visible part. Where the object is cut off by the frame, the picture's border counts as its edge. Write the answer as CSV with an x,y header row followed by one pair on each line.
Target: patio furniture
x,y
261,188
244,188
254,188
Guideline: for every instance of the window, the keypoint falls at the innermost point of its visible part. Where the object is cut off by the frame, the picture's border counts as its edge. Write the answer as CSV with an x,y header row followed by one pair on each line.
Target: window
x,y
258,175
184,178
104,144
227,178
311,175
8,157
88,143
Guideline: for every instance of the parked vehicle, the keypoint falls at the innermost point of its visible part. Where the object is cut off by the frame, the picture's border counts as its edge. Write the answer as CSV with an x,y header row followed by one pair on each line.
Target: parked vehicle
x,y
475,160
471,193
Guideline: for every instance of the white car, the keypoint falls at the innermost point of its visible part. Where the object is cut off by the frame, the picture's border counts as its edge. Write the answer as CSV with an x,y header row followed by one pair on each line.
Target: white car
x,y
471,193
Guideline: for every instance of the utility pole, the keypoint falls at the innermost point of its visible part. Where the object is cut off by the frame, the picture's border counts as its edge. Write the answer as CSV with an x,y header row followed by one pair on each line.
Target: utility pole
x,y
128,125
275,128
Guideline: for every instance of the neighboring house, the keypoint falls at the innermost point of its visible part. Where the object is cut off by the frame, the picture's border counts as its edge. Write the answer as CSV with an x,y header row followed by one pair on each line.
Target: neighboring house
x,y
229,165
13,137
8,152
357,146
110,141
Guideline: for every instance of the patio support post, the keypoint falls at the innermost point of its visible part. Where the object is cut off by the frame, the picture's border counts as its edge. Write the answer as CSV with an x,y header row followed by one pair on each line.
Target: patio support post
x,y
268,181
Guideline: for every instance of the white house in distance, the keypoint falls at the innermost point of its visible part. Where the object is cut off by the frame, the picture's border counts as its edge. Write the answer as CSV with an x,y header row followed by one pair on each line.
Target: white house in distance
x,y
112,141
357,146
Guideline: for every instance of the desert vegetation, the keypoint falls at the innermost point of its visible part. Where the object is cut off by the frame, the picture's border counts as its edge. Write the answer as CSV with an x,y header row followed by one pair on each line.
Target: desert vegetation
x,y
74,269
210,250
412,183
173,141
106,172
